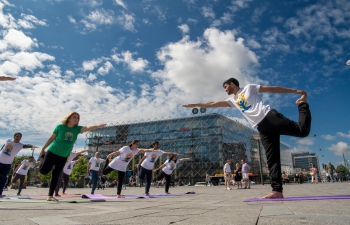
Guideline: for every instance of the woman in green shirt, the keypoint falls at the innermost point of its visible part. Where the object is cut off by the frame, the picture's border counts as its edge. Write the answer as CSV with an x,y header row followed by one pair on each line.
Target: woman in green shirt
x,y
59,147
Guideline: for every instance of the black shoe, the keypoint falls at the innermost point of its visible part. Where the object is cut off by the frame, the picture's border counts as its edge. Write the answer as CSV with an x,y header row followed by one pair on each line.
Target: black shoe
x,y
18,194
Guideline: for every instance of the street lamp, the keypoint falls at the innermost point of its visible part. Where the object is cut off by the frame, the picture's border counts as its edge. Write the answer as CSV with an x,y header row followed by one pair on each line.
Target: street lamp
x,y
258,138
98,140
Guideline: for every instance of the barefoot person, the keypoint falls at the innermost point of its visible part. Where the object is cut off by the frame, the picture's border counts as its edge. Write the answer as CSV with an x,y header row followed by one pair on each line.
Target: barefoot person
x,y
147,162
269,122
59,147
7,153
69,159
167,169
21,172
125,155
67,170
93,168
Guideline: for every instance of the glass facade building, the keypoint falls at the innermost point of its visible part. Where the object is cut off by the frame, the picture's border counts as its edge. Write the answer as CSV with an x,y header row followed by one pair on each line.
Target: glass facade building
x,y
303,160
209,139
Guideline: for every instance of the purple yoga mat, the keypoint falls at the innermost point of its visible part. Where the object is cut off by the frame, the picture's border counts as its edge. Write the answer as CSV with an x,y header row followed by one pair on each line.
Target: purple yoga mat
x,y
98,196
302,198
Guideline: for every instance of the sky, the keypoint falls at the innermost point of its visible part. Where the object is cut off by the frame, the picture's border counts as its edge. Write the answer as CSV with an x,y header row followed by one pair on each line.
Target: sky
x,y
118,60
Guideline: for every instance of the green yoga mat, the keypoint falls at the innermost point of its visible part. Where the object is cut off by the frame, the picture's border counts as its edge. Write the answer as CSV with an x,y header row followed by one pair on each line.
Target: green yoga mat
x,y
60,201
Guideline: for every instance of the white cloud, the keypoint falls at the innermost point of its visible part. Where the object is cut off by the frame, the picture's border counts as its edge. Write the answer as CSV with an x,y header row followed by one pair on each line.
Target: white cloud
x,y
107,66
216,57
121,3
328,137
184,28
305,141
208,12
91,64
97,18
138,65
340,148
71,19
341,134
127,21
29,21
18,40
253,44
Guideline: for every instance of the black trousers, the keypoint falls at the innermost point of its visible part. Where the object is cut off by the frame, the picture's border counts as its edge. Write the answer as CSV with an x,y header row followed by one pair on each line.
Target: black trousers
x,y
121,176
167,180
53,162
65,182
21,181
274,125
59,183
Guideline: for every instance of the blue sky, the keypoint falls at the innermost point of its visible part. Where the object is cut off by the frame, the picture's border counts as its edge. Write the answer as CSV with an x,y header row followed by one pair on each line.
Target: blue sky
x,y
120,60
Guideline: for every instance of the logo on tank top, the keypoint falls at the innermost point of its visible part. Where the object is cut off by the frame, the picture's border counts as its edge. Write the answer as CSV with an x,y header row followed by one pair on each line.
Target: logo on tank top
x,y
153,158
8,149
128,157
242,103
69,137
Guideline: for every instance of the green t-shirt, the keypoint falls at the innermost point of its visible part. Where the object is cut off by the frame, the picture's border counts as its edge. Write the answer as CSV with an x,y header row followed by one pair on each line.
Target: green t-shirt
x,y
66,137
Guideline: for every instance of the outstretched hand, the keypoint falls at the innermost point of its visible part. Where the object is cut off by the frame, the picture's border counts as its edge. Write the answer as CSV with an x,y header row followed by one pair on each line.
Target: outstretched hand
x,y
189,105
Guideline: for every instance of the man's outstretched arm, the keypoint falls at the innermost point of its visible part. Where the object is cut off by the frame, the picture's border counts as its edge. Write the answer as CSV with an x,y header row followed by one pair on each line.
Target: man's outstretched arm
x,y
208,104
277,89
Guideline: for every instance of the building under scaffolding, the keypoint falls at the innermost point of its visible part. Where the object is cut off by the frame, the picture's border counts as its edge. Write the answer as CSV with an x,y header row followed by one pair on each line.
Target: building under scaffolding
x,y
208,139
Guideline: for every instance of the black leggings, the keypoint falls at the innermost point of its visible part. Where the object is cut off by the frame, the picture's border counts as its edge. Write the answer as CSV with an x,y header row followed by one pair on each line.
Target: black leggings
x,y
53,162
167,179
121,176
65,182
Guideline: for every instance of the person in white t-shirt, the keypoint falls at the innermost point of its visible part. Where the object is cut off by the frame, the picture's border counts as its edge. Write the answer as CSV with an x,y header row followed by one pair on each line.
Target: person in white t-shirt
x,y
227,174
21,172
7,153
167,169
67,170
93,168
61,176
245,173
147,163
269,122
125,155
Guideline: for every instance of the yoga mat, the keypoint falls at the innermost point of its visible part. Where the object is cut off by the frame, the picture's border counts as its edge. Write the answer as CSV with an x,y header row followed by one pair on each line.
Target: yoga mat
x,y
98,196
302,198
44,200
165,195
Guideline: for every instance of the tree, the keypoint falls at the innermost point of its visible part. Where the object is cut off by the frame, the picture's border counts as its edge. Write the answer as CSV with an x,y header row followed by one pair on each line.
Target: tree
x,y
113,175
78,170
45,177
343,171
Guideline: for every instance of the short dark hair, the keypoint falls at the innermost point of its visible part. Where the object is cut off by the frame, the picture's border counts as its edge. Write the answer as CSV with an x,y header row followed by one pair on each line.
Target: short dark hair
x,y
17,133
156,142
231,80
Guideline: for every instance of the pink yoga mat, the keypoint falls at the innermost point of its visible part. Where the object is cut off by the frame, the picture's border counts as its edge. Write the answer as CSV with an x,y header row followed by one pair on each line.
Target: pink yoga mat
x,y
302,198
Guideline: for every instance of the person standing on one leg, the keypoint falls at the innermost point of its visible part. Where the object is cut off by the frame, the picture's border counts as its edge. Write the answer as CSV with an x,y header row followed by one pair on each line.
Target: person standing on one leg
x,y
93,168
69,159
7,153
245,172
67,170
227,174
167,169
147,163
125,155
59,148
269,122
21,172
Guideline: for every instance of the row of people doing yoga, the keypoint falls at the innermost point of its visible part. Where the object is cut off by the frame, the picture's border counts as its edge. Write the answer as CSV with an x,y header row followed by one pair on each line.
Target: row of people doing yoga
x,y
56,156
